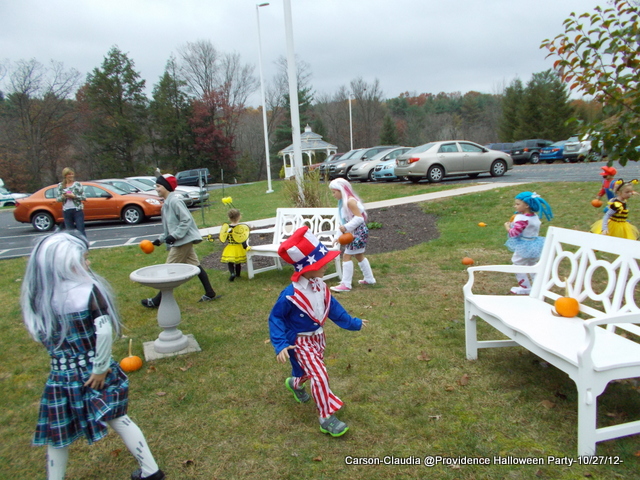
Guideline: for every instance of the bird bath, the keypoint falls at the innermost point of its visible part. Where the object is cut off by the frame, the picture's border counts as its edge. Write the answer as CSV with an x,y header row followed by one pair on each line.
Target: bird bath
x,y
166,277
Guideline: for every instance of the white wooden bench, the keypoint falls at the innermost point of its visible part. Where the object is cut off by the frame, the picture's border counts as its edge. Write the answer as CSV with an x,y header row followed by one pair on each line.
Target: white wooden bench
x,y
323,222
603,274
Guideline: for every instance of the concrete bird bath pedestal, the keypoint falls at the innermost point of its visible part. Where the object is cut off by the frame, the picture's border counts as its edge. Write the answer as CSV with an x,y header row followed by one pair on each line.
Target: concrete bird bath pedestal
x,y
166,277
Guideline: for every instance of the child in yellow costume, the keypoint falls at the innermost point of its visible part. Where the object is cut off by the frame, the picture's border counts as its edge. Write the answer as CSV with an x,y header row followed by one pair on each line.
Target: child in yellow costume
x,y
235,234
614,222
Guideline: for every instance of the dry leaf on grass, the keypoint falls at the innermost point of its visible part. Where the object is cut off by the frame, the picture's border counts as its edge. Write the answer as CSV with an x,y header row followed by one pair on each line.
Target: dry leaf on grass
x,y
161,394
435,417
317,459
548,404
151,369
449,388
115,453
464,380
348,367
187,367
637,454
188,463
423,357
267,341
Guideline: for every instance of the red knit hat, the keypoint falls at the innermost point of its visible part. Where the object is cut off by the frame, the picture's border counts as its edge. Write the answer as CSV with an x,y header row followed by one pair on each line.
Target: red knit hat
x,y
305,252
167,181
608,171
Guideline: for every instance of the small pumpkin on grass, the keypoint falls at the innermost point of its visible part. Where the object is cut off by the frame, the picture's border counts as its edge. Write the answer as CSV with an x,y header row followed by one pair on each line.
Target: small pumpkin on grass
x,y
467,261
567,306
482,224
132,362
596,203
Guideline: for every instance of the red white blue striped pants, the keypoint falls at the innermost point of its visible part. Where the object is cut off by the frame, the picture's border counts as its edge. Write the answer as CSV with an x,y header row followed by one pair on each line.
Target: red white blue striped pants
x,y
310,356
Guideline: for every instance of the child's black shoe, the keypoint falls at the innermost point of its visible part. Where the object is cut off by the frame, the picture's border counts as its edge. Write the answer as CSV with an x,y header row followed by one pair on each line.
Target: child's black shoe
x,y
137,475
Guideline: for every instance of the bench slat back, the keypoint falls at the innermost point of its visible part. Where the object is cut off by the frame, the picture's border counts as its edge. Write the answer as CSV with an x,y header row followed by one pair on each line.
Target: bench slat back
x,y
319,220
604,272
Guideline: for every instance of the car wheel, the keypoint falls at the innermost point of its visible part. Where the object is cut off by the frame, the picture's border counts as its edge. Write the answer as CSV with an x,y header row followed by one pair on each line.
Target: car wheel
x,y
414,179
370,176
565,159
435,174
498,168
132,215
473,175
535,158
42,221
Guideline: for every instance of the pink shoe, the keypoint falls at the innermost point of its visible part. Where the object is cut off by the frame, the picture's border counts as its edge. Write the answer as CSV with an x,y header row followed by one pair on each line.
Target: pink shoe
x,y
364,282
341,288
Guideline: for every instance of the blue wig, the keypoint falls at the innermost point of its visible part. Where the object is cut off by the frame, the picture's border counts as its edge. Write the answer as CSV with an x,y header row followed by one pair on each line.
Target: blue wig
x,y
536,203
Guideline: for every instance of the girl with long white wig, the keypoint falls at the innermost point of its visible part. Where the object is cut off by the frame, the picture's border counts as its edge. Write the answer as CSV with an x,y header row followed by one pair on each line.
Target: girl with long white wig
x,y
70,310
353,218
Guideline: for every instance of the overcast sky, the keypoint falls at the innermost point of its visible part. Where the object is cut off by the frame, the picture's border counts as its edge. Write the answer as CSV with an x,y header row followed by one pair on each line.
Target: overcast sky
x,y
408,45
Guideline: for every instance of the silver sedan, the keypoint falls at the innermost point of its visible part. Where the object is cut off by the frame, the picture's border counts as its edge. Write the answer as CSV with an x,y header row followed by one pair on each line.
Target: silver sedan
x,y
437,160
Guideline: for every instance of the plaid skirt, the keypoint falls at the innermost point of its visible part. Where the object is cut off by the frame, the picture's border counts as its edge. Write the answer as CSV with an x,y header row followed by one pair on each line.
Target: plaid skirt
x,y
68,410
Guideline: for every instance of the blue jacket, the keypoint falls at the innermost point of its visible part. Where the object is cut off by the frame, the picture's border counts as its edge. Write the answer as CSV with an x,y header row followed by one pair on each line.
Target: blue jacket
x,y
286,320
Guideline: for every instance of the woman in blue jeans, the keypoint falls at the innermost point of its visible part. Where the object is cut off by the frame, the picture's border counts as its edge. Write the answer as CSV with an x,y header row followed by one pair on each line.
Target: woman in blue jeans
x,y
71,194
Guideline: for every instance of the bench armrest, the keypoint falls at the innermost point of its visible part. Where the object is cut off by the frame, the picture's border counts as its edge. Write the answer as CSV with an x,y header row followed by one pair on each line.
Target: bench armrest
x,y
584,355
497,268
263,230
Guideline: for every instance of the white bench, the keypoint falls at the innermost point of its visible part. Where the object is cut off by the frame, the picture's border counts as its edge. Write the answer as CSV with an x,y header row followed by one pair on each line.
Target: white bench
x,y
323,222
603,274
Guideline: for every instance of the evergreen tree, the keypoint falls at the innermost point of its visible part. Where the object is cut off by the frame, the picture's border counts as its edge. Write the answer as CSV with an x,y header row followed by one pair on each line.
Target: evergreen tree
x,y
117,115
169,112
389,133
512,101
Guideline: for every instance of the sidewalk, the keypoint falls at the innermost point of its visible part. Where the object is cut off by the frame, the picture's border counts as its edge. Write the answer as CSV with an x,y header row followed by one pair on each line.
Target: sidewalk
x,y
267,222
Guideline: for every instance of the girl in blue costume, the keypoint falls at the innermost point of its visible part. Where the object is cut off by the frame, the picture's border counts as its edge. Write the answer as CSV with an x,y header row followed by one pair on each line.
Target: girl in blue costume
x,y
70,310
523,229
614,222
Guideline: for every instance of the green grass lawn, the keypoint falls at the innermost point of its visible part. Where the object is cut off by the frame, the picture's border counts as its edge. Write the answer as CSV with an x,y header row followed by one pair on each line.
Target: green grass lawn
x,y
408,389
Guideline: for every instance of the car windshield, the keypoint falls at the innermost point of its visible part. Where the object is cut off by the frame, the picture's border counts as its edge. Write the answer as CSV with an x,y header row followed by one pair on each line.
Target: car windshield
x,y
349,154
4,191
145,181
113,189
142,186
574,138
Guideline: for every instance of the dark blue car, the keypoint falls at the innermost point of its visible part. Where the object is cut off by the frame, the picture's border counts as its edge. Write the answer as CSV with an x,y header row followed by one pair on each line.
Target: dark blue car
x,y
553,152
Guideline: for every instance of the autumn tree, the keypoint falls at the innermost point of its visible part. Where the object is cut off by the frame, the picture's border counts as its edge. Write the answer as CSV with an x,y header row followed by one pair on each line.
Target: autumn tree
x,y
214,146
368,112
38,118
388,133
598,56
117,110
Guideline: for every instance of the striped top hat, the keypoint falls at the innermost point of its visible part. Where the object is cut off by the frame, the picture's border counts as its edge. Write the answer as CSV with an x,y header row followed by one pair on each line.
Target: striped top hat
x,y
305,252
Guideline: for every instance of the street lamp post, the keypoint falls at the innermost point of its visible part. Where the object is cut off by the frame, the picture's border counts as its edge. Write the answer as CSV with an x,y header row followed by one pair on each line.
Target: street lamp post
x,y
264,103
350,122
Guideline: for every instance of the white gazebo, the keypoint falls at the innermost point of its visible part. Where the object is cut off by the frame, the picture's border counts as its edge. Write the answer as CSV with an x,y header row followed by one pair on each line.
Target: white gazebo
x,y
310,143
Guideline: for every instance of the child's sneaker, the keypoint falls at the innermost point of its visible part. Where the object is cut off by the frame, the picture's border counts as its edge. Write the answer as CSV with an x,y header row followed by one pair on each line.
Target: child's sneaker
x,y
341,288
333,426
148,302
137,475
300,394
364,282
520,291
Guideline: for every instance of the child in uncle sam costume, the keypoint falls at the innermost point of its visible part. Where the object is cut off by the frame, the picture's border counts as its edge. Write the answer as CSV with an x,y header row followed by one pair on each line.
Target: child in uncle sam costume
x,y
235,235
614,222
70,311
296,321
523,229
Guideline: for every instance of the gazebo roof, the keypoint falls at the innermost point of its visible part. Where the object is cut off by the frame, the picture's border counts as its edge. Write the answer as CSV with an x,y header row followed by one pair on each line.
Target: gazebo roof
x,y
310,142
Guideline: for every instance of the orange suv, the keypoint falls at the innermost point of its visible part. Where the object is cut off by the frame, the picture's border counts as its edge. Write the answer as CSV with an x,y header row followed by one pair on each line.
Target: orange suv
x,y
104,202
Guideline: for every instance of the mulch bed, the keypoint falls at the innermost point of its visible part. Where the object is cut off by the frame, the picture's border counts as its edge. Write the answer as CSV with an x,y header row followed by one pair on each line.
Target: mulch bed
x,y
402,226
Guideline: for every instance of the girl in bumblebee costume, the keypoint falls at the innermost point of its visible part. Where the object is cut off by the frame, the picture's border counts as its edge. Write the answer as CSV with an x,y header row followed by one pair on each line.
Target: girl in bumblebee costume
x,y
614,222
235,235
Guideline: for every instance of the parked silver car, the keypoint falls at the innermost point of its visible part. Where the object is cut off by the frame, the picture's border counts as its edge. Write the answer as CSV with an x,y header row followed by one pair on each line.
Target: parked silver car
x,y
195,193
437,160
364,171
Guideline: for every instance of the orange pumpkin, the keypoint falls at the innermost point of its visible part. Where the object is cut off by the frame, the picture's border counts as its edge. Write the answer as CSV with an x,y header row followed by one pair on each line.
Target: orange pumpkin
x,y
132,362
482,224
567,306
596,203
345,238
467,261
146,246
